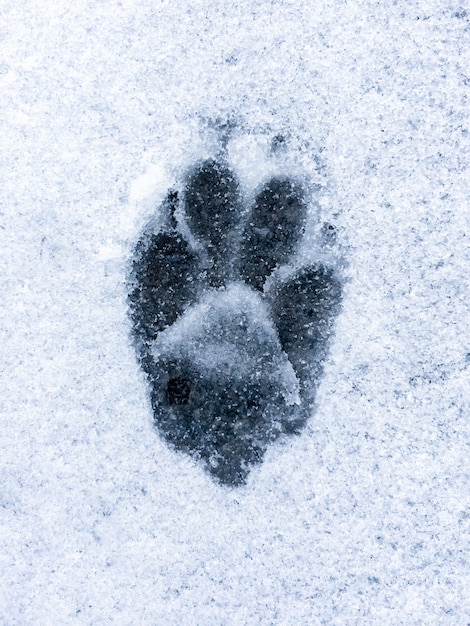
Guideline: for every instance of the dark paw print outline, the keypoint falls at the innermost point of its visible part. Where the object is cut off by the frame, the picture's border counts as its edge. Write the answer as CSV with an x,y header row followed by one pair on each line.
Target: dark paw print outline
x,y
233,359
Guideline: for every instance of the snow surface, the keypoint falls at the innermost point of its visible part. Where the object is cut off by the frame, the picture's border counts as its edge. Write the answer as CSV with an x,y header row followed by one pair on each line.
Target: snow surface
x,y
364,518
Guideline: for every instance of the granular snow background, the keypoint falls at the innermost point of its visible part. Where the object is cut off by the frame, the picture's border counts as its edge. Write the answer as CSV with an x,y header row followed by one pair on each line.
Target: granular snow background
x,y
364,519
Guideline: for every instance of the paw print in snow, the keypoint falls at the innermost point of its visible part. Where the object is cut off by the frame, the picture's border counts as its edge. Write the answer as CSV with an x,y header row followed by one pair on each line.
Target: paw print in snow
x,y
231,339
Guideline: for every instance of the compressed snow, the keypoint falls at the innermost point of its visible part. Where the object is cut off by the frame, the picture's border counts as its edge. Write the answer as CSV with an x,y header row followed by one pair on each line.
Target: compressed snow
x,y
229,333
363,519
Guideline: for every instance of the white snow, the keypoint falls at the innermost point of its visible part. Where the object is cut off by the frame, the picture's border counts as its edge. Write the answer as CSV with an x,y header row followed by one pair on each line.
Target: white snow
x,y
364,518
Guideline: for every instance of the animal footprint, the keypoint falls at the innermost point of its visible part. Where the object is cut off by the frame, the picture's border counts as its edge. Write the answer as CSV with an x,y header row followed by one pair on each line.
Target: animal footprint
x,y
231,337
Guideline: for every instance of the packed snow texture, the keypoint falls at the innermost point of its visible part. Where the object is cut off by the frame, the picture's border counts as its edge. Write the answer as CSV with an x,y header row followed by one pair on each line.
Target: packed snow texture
x,y
364,518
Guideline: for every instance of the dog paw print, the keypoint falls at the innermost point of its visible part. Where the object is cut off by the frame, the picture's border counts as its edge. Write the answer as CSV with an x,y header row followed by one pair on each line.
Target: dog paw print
x,y
231,335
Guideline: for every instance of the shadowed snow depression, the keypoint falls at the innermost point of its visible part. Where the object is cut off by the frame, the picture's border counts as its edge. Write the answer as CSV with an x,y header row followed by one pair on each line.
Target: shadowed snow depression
x,y
230,331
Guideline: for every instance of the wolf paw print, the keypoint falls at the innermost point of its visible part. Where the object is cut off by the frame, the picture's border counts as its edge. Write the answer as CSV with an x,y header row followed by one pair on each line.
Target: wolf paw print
x,y
230,335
